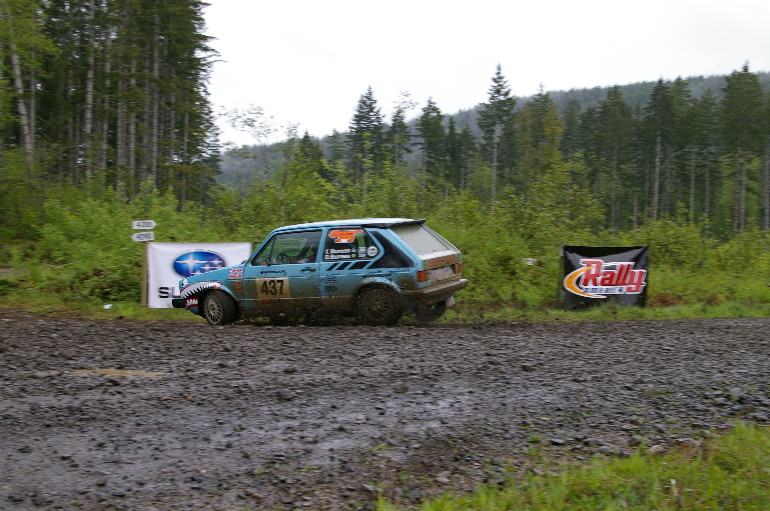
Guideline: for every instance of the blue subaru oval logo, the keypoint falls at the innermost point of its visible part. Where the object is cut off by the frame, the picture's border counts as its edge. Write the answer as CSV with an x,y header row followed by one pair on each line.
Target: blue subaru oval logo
x,y
196,262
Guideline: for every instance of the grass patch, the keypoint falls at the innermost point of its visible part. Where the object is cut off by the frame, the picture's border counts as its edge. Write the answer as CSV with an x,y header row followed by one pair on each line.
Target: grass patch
x,y
39,303
729,472
729,309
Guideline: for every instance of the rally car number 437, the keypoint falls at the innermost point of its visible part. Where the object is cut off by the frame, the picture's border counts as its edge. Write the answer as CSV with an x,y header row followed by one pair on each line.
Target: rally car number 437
x,y
376,269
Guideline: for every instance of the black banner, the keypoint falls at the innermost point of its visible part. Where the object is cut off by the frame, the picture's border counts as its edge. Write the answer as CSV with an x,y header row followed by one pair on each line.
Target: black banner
x,y
594,275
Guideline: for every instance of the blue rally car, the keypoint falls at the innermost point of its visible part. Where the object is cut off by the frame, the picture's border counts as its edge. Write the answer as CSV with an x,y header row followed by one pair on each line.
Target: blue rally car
x,y
375,268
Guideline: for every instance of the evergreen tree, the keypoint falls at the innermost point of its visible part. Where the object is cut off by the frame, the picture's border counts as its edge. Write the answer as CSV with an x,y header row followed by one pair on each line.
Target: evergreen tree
x,y
430,129
493,117
336,143
681,141
539,134
659,123
613,124
702,151
310,156
741,118
399,134
461,149
365,136
570,140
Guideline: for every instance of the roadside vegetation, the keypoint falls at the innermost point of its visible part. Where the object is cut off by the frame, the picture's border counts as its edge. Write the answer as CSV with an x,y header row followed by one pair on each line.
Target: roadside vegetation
x,y
83,259
729,472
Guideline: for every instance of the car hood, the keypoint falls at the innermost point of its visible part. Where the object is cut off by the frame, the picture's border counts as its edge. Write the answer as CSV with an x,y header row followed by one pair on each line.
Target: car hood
x,y
218,275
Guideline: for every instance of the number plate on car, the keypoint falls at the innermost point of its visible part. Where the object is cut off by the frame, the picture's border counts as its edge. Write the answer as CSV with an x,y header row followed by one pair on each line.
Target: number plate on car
x,y
442,273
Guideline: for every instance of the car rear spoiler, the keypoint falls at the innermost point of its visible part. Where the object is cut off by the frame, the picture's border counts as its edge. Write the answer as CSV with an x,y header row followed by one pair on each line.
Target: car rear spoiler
x,y
385,225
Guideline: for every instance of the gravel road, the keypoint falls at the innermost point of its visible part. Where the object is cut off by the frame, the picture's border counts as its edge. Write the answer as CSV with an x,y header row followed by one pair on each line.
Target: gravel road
x,y
178,415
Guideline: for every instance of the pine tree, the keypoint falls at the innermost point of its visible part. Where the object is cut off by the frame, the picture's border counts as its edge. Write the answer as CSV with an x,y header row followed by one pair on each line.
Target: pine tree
x,y
741,118
539,133
659,123
493,117
610,150
702,149
365,136
430,129
399,134
570,140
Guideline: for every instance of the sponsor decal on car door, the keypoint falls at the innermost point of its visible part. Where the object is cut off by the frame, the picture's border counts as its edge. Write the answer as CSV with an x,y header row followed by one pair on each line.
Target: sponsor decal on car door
x,y
347,254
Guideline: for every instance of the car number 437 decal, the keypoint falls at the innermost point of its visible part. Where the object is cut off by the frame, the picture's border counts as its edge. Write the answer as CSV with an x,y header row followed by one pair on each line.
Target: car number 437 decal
x,y
273,288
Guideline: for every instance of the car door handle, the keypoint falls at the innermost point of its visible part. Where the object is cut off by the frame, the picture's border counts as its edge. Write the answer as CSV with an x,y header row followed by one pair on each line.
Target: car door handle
x,y
308,269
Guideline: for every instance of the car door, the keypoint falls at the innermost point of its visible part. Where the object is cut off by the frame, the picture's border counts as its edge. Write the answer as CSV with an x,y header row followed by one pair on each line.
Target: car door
x,y
284,274
347,253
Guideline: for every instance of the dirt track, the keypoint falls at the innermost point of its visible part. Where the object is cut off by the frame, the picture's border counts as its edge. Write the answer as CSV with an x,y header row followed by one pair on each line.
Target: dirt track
x,y
179,415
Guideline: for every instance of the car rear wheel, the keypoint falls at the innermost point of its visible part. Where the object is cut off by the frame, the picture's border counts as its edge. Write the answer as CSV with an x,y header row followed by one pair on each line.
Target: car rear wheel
x,y
379,306
430,312
219,309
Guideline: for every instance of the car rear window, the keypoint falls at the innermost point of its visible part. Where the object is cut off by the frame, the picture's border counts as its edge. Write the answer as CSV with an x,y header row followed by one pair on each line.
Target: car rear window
x,y
421,239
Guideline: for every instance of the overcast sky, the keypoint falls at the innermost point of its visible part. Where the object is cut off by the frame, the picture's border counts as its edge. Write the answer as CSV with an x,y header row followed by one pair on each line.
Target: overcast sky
x,y
307,62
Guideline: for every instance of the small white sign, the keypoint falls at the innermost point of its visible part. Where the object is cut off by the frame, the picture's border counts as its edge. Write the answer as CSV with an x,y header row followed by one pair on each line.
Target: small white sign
x,y
143,236
143,224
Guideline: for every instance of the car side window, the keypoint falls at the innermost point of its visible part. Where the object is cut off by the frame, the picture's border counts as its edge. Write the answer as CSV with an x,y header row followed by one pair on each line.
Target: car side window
x,y
289,248
349,243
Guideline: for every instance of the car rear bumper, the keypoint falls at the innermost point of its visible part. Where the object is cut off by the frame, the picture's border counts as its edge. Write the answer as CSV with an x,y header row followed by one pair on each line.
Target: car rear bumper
x,y
437,293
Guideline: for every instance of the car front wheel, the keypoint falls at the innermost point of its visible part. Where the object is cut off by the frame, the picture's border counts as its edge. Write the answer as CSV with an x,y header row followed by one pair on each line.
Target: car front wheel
x,y
219,309
379,306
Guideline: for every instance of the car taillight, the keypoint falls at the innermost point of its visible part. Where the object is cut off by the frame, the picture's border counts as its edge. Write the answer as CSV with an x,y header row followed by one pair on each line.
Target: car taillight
x,y
459,268
422,276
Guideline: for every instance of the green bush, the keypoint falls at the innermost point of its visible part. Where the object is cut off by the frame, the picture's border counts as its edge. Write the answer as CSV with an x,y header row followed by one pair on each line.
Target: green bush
x,y
511,252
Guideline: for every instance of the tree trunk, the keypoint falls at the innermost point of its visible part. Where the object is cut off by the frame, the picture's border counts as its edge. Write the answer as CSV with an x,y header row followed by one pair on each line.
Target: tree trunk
x,y
88,114
131,133
495,146
614,191
767,186
693,160
737,194
25,123
656,179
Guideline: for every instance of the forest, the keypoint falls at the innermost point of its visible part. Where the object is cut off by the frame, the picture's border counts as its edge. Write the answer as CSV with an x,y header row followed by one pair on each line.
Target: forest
x,y
673,153
105,118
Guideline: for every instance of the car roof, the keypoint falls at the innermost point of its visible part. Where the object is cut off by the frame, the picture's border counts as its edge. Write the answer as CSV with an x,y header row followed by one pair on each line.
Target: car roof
x,y
381,223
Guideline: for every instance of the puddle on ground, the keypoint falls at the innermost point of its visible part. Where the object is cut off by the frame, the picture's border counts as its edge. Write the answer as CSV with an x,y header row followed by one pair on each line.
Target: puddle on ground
x,y
116,372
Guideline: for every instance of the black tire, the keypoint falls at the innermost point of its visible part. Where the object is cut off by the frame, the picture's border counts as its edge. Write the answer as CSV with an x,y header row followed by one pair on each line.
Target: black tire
x,y
431,312
219,309
379,306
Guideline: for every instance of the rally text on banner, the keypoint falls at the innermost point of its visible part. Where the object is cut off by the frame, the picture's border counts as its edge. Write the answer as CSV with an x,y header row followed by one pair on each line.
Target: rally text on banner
x,y
594,275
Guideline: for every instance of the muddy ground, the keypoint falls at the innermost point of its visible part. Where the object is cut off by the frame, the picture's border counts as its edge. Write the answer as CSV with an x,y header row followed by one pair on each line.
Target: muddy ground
x,y
179,415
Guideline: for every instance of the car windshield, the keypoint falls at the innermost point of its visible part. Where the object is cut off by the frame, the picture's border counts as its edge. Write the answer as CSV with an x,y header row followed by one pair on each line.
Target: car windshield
x,y
289,248
421,239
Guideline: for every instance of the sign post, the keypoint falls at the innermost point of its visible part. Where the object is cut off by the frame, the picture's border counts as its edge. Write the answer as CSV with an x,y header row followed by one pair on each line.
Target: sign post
x,y
146,235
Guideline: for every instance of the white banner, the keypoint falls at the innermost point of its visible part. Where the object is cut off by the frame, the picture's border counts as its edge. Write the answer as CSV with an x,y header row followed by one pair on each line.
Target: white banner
x,y
168,263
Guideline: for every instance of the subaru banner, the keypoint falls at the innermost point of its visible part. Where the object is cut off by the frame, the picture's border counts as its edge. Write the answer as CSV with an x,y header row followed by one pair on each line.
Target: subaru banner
x,y
594,275
168,263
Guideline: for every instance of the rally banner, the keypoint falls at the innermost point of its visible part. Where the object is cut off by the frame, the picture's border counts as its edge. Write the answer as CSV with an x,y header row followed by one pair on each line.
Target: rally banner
x,y
594,275
168,263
